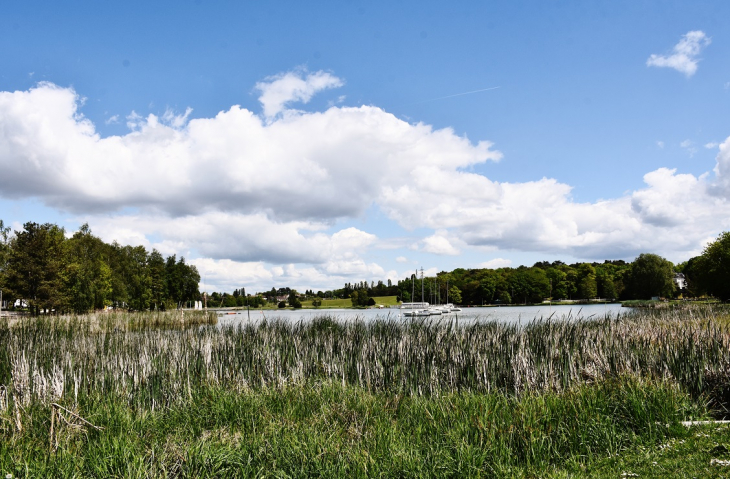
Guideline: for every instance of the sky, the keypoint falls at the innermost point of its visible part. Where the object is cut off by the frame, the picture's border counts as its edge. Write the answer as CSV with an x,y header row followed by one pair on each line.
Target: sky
x,y
310,144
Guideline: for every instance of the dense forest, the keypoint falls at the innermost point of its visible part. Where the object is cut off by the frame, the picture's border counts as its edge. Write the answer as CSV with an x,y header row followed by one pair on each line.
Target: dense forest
x,y
649,275
42,269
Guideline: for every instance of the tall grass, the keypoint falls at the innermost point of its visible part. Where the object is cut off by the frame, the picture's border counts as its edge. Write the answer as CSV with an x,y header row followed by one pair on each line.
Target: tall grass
x,y
158,361
326,430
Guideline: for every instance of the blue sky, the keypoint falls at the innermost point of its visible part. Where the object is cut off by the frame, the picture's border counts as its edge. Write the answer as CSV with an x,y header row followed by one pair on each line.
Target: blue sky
x,y
308,144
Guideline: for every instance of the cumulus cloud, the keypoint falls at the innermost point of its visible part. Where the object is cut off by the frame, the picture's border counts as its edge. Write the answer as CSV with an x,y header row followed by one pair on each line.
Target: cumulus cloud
x,y
495,263
239,189
280,90
319,166
721,186
685,54
238,237
439,244
246,249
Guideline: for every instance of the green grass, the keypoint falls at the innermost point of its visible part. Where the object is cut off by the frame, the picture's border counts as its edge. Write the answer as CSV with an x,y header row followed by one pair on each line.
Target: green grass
x,y
381,398
693,453
326,430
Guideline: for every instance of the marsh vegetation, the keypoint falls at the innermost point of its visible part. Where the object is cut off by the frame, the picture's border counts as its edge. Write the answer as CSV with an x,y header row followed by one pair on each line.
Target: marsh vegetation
x,y
314,396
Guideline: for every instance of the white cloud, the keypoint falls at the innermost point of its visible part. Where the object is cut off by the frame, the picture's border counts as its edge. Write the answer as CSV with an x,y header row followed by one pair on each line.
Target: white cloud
x,y
279,90
721,186
688,146
401,259
112,120
684,56
495,263
243,238
241,250
711,145
240,189
439,244
660,144
320,166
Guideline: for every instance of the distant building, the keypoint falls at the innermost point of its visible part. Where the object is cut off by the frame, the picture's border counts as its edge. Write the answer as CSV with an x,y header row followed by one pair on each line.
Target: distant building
x,y
680,281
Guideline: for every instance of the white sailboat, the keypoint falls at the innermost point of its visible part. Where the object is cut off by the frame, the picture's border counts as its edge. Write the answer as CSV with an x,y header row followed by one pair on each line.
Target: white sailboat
x,y
423,311
449,306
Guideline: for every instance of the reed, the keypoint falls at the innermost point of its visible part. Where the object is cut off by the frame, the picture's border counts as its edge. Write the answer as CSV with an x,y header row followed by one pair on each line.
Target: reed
x,y
157,360
148,395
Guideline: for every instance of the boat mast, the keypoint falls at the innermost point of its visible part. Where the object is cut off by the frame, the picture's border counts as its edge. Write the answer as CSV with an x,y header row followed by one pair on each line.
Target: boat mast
x,y
413,287
421,286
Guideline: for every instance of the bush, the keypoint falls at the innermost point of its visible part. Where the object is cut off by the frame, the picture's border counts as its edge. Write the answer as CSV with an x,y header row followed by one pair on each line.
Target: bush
x,y
282,304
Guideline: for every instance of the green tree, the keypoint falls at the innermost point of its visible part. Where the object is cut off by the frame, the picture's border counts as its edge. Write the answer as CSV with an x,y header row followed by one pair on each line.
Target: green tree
x,y
712,269
138,278
87,276
294,300
558,285
531,285
587,286
35,266
4,254
158,280
651,275
454,295
360,297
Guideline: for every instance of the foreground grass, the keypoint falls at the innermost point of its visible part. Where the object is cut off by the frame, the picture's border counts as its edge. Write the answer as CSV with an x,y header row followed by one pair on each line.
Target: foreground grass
x,y
701,452
178,396
327,430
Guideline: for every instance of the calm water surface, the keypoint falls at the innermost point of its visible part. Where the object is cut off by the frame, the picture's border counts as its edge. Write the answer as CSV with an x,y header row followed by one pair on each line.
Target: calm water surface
x,y
511,314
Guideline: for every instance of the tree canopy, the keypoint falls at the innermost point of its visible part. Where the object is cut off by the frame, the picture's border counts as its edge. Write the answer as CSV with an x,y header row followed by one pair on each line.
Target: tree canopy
x,y
651,275
711,270
48,271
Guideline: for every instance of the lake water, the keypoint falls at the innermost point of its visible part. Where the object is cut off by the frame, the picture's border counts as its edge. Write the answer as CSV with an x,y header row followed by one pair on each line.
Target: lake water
x,y
507,314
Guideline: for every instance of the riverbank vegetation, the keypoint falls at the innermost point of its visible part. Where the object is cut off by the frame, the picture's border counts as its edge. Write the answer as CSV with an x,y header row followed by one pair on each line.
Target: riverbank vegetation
x,y
118,394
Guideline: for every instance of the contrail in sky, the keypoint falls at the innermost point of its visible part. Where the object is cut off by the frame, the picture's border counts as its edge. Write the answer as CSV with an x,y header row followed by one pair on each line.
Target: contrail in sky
x,y
459,94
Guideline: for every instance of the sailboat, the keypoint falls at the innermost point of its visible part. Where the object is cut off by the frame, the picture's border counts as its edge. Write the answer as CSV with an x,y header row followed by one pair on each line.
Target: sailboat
x,y
449,307
418,313
436,309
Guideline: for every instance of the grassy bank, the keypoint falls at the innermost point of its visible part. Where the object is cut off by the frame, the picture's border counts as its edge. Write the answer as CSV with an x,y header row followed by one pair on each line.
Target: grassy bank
x,y
332,398
347,303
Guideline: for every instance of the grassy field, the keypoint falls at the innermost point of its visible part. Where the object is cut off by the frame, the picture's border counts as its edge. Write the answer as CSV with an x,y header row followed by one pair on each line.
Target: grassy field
x,y
166,395
346,303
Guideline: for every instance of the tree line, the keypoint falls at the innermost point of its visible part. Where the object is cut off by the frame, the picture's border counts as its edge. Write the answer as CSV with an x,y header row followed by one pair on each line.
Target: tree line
x,y
649,275
43,270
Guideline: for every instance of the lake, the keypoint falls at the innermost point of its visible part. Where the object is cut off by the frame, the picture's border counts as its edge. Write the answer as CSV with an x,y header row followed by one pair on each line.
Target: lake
x,y
507,314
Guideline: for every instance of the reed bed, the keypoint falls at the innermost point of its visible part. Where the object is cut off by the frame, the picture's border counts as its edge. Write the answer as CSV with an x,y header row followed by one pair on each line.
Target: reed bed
x,y
155,360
